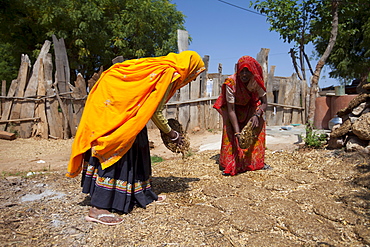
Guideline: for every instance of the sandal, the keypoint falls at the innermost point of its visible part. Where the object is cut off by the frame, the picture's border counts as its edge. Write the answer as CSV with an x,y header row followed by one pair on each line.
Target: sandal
x,y
161,198
92,219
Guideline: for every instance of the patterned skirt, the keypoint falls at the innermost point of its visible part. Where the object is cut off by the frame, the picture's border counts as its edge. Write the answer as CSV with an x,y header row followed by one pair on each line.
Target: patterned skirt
x,y
123,185
234,160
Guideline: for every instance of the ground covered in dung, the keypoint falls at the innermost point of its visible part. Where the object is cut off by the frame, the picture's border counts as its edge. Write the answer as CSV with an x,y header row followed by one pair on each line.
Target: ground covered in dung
x,y
308,198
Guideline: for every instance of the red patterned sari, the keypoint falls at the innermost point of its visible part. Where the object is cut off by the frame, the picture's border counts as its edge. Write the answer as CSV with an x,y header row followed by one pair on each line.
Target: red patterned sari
x,y
233,159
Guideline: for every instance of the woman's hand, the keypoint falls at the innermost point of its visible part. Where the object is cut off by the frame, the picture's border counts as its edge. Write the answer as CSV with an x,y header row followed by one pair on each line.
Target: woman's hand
x,y
255,121
176,137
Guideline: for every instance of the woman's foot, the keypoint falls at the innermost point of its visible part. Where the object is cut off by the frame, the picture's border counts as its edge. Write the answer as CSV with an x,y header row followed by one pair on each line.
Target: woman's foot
x,y
225,174
103,216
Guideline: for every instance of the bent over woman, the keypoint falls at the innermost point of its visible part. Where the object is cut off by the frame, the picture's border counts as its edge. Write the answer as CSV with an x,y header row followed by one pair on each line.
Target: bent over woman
x,y
242,100
111,145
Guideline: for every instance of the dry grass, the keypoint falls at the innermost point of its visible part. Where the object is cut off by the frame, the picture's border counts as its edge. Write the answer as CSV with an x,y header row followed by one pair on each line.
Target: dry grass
x,y
310,198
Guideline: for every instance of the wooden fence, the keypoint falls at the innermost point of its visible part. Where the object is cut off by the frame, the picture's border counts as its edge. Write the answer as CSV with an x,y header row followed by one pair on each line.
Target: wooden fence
x,y
37,105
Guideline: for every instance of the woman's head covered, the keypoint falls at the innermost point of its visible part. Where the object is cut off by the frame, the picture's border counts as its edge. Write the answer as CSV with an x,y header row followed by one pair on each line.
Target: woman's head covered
x,y
188,65
253,66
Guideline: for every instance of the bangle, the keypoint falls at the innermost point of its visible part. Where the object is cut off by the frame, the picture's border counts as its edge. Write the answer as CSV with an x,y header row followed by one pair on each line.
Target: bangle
x,y
237,133
177,136
257,115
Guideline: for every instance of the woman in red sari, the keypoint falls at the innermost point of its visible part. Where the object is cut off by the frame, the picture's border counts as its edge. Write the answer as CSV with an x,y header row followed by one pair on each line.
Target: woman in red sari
x,y
242,99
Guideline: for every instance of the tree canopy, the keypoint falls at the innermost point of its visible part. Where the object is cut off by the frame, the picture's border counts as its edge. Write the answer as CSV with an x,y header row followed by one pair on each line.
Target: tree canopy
x,y
94,31
302,22
350,57
295,21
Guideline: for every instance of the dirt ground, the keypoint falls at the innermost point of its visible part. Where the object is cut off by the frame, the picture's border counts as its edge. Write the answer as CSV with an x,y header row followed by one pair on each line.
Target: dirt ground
x,y
309,198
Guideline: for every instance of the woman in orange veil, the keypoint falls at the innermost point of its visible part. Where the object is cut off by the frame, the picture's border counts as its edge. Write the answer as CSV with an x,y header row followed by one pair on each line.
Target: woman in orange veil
x,y
111,145
242,100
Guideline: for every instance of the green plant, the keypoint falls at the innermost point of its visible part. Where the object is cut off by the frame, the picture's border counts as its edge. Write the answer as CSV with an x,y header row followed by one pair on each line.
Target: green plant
x,y
313,139
156,159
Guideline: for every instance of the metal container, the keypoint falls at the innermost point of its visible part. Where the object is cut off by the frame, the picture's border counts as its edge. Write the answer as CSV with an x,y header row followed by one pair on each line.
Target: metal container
x,y
334,121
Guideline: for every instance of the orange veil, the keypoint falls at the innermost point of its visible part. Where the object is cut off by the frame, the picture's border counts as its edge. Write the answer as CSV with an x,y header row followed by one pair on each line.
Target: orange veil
x,y
122,102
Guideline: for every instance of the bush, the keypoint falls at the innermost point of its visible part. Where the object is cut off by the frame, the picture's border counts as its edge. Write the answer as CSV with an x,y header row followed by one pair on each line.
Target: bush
x,y
313,139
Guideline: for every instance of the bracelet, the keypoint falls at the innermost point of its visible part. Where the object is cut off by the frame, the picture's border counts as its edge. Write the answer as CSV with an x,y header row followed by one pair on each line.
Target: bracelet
x,y
237,133
177,136
257,115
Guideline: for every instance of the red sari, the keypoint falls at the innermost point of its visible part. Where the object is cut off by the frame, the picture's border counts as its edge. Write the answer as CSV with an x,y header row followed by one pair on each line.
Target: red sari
x,y
233,159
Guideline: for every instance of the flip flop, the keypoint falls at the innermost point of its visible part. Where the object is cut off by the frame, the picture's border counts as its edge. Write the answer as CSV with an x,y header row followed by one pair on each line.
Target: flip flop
x,y
91,219
161,198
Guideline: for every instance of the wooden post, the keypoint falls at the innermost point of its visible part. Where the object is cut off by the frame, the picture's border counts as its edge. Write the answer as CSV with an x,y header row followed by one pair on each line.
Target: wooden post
x,y
296,115
203,93
28,107
3,93
305,100
184,109
42,128
19,91
195,93
8,104
182,40
270,113
288,100
281,97
79,94
52,106
63,82
262,58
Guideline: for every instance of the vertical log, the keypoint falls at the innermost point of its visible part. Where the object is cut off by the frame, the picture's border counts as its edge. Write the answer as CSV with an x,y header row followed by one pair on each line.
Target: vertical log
x,y
305,101
52,106
66,131
22,79
3,93
270,110
288,100
63,82
41,128
184,109
202,106
213,117
281,97
79,94
296,114
61,64
262,58
8,104
28,107
194,107
182,40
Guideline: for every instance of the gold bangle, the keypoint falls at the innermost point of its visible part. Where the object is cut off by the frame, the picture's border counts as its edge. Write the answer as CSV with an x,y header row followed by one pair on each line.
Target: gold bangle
x,y
237,133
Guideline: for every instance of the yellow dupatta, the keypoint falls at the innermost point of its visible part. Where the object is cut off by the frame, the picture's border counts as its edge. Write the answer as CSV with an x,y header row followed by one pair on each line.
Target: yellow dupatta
x,y
122,102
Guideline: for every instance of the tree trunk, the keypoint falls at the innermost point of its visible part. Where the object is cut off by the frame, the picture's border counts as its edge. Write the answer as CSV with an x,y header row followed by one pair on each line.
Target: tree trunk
x,y
321,63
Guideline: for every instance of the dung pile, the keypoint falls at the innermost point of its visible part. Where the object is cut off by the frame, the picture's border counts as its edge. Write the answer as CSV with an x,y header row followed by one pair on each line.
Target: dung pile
x,y
176,125
354,132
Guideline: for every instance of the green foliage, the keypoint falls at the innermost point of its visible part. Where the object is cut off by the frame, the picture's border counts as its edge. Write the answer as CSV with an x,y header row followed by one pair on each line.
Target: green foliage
x,y
8,67
292,19
313,139
94,31
306,21
156,159
350,57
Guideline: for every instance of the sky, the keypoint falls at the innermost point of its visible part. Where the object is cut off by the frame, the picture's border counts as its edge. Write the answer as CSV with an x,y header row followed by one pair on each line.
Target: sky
x,y
225,33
